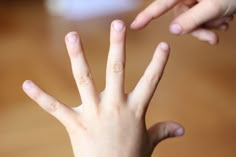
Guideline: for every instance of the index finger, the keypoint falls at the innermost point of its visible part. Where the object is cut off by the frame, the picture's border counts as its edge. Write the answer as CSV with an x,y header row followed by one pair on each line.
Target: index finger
x,y
153,11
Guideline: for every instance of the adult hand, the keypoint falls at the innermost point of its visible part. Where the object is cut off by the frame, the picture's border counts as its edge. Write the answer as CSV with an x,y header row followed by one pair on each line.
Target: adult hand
x,y
196,17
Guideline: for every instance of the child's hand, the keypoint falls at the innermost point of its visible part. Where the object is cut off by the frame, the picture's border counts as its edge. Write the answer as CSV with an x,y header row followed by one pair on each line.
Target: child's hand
x,y
197,17
110,123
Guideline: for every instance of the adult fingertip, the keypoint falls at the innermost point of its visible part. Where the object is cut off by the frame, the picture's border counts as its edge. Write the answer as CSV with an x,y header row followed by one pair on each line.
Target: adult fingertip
x,y
224,27
206,36
139,22
176,29
133,25
213,40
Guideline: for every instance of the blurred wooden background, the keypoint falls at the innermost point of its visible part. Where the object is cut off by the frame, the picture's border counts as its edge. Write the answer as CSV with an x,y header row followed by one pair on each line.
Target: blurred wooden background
x,y
197,90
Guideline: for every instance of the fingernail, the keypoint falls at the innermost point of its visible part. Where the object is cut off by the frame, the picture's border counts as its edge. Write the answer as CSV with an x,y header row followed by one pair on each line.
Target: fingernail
x,y
176,29
179,132
72,38
223,27
213,41
27,85
133,23
164,46
118,26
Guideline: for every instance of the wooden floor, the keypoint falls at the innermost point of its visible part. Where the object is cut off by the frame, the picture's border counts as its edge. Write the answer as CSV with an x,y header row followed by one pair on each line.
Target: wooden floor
x,y
197,90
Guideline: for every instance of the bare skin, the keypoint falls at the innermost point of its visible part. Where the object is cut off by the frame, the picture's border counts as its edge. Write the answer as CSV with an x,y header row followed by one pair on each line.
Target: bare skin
x,y
110,123
196,17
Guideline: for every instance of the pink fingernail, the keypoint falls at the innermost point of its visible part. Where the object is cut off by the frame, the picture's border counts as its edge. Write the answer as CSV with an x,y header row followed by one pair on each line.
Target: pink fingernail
x,y
213,41
164,46
223,27
27,85
72,38
118,26
133,23
176,29
179,132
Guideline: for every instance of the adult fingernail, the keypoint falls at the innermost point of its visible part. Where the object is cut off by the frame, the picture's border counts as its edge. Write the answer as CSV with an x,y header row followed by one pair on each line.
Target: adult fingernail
x,y
179,132
118,26
176,29
133,24
224,27
212,41
27,85
72,38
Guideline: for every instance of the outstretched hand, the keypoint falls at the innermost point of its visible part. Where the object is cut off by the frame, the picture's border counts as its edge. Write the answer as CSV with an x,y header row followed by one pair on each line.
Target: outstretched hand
x,y
196,17
110,123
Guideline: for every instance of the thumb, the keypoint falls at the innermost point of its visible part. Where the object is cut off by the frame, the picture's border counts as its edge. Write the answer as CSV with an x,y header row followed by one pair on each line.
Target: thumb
x,y
164,130
201,13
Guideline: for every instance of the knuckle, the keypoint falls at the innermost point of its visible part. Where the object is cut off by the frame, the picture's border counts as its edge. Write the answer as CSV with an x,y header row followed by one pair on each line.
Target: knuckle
x,y
166,133
152,80
52,107
48,103
84,79
117,67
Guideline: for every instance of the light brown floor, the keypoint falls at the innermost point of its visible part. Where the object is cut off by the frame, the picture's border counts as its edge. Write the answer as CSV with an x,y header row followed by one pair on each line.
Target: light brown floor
x,y
197,90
